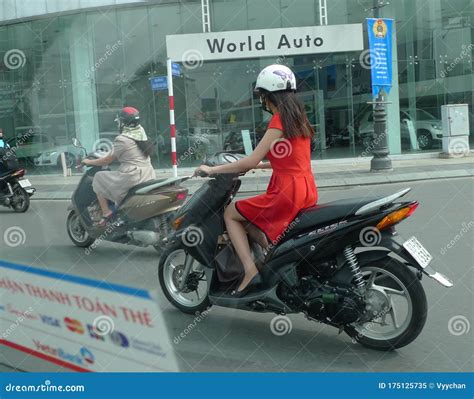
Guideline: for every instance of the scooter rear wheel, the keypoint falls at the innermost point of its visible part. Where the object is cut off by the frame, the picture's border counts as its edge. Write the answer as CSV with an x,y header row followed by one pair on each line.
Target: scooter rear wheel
x,y
169,272
76,231
405,312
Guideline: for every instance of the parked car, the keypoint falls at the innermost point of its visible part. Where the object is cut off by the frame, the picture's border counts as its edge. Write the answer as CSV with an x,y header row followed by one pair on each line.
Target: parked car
x,y
428,128
42,150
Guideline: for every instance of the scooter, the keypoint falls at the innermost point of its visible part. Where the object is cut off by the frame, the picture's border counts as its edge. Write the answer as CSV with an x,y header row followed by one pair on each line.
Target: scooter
x,y
340,263
142,218
15,190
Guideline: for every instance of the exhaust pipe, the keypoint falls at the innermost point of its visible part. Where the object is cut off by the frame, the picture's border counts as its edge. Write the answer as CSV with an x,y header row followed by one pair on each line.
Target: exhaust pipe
x,y
144,237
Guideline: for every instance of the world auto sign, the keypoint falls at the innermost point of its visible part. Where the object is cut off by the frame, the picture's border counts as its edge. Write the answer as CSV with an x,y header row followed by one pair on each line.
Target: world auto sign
x,y
195,47
80,324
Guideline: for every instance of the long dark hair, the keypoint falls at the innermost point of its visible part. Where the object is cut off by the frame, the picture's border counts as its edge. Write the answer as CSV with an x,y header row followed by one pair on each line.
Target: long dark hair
x,y
147,147
292,113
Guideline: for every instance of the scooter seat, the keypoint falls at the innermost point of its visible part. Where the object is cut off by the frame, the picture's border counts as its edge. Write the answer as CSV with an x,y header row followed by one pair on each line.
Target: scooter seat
x,y
328,213
134,189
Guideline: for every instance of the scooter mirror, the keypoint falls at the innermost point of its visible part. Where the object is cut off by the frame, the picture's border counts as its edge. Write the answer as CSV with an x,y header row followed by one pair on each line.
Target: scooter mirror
x,y
76,142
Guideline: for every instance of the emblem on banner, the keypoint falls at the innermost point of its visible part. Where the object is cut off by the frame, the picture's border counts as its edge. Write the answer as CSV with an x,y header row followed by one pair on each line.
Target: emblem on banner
x,y
380,29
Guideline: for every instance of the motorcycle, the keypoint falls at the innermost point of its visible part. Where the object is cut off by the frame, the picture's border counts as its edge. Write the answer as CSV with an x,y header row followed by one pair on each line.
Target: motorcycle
x,y
15,189
142,218
340,263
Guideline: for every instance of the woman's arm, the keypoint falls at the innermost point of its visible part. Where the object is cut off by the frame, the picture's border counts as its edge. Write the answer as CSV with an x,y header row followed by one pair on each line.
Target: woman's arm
x,y
247,163
264,165
108,159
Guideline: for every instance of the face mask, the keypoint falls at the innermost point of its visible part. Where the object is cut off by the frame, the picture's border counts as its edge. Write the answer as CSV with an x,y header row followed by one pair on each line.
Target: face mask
x,y
264,105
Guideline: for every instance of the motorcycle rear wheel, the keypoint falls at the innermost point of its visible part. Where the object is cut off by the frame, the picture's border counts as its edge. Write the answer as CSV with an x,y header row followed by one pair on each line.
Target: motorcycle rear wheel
x,y
170,265
20,201
76,231
396,280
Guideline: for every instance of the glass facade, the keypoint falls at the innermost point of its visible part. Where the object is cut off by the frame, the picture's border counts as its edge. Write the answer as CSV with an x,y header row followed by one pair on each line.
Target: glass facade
x,y
66,76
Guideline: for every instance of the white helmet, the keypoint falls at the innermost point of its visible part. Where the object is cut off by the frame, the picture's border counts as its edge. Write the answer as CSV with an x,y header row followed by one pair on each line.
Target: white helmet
x,y
276,77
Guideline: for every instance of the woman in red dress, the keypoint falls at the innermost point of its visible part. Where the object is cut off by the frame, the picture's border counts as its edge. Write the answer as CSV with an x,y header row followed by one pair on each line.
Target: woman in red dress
x,y
287,145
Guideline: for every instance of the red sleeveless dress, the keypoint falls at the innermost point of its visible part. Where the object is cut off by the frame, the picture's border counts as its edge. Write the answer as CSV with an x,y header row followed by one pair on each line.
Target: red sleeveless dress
x,y
291,187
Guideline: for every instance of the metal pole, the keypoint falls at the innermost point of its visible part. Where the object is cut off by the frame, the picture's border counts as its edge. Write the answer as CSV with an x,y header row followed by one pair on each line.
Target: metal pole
x,y
380,161
172,121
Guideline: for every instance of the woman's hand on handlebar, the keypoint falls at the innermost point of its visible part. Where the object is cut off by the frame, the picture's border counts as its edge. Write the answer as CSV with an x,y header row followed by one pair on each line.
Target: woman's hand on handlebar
x,y
203,171
86,161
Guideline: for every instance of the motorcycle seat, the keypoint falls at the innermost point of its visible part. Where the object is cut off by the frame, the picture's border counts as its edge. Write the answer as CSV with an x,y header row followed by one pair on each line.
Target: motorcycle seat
x,y
329,212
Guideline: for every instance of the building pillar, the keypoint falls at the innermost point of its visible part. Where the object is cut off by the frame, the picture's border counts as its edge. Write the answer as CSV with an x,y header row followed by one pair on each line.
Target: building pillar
x,y
83,82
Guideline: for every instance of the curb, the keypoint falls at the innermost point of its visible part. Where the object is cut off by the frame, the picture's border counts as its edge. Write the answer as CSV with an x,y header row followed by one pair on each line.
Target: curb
x,y
322,183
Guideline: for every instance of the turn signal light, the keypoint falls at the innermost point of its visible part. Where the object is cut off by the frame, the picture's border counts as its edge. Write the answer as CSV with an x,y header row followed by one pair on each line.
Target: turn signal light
x,y
177,222
19,173
397,216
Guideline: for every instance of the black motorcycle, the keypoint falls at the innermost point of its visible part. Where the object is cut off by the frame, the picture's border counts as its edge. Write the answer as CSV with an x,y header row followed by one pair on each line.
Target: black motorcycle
x,y
15,190
340,263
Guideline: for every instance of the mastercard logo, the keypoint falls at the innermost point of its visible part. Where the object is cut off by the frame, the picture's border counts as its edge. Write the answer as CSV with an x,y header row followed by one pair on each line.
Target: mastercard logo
x,y
74,325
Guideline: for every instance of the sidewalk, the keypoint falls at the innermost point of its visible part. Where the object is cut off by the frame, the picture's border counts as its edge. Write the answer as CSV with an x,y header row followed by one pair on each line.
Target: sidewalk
x,y
328,174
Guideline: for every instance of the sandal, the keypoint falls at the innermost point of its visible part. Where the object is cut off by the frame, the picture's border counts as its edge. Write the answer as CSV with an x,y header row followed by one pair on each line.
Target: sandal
x,y
104,220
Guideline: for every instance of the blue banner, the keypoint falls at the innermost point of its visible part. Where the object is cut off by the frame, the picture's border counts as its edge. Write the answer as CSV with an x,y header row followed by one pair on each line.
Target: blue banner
x,y
237,385
380,47
175,69
159,83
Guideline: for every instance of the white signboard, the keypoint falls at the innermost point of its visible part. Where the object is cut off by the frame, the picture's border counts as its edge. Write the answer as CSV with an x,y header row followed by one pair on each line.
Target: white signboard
x,y
247,142
80,324
264,43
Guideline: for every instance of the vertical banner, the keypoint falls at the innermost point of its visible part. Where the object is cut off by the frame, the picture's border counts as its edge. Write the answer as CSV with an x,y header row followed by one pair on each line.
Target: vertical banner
x,y
380,47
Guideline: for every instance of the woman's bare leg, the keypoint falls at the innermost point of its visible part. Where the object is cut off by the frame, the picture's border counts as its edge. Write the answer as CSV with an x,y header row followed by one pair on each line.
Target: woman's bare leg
x,y
257,235
234,222
104,205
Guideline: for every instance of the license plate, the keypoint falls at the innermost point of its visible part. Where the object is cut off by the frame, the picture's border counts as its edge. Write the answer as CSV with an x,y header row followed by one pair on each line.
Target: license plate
x,y
24,183
418,251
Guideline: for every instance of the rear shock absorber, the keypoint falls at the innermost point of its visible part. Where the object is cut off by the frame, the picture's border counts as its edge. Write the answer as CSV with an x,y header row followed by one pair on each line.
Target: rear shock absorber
x,y
354,266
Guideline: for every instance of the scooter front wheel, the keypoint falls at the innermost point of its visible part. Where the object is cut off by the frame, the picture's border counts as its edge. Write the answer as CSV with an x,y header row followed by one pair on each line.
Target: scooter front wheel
x,y
76,231
192,297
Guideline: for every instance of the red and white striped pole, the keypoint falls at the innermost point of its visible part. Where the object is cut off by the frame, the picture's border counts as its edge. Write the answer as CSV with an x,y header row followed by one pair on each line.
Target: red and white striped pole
x,y
174,162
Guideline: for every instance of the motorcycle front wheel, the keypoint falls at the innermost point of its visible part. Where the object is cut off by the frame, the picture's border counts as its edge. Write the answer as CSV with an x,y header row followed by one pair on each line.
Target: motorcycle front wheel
x,y
192,298
401,307
20,201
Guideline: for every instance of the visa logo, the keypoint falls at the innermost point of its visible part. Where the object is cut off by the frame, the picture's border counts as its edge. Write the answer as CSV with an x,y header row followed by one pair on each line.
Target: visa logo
x,y
50,321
